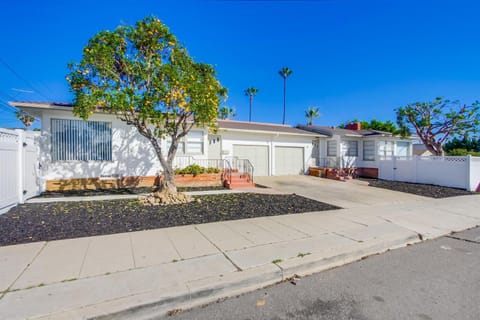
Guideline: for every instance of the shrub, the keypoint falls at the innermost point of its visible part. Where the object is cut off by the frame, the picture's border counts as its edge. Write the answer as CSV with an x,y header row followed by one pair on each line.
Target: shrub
x,y
462,152
195,169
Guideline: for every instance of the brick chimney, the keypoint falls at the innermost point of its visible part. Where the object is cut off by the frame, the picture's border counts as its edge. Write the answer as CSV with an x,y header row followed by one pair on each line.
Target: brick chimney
x,y
354,126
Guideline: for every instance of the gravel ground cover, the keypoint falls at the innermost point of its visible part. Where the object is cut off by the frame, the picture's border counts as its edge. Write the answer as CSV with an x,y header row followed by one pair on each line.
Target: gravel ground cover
x,y
63,220
426,190
121,191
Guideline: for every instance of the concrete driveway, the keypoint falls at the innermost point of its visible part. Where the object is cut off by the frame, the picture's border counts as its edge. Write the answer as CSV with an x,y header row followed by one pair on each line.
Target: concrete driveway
x,y
348,194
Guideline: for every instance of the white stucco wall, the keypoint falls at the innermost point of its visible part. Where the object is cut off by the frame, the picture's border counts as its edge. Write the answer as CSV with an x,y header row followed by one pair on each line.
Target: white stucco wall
x,y
230,138
358,161
132,154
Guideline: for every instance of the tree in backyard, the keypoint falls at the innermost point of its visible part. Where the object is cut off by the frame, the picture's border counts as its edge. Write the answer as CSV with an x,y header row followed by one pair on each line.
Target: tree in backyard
x,y
462,146
311,113
435,121
226,112
146,78
251,92
386,126
285,73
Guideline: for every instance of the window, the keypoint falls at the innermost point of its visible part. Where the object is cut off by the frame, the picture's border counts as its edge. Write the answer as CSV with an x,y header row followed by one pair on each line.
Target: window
x,y
331,148
369,150
81,140
402,148
351,148
193,143
385,149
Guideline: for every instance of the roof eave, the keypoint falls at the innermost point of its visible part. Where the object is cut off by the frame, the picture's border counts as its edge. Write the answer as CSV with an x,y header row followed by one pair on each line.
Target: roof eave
x,y
272,132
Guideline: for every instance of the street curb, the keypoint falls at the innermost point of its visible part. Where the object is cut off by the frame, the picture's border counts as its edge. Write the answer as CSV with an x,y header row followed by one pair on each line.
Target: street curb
x,y
211,289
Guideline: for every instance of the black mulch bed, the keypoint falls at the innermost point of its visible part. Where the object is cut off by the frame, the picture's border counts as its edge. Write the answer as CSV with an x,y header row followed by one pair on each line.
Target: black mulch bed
x,y
426,190
63,220
101,192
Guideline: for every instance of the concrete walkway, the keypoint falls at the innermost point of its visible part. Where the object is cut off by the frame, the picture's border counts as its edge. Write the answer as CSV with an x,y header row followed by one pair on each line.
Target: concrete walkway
x,y
141,274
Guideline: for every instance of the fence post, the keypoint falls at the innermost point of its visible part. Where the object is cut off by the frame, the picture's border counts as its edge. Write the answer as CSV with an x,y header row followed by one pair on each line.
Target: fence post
x,y
21,155
415,164
469,183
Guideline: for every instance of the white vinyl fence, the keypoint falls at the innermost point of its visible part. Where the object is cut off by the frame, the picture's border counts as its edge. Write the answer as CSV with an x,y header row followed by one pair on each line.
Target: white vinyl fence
x,y
457,172
18,167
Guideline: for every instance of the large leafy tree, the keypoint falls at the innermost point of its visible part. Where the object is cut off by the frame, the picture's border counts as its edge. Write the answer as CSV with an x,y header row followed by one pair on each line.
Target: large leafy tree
x,y
285,72
386,126
311,113
435,121
250,93
146,78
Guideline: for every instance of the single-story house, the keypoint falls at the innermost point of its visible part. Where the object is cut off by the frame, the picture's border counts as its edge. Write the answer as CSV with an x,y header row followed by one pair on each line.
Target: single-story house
x,y
73,151
353,147
104,148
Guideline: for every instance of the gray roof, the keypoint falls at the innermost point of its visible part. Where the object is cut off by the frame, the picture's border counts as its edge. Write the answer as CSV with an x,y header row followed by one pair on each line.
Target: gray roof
x,y
263,127
330,131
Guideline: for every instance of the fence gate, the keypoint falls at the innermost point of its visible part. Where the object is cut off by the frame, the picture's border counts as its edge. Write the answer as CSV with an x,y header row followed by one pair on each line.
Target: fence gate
x,y
18,167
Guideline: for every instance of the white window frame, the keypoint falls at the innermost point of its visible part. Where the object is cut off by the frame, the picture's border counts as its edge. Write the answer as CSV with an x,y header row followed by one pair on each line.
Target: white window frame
x,y
332,148
78,140
372,155
183,144
349,148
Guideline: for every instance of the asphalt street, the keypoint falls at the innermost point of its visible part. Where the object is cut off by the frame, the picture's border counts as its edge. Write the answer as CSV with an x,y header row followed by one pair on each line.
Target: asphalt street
x,y
436,279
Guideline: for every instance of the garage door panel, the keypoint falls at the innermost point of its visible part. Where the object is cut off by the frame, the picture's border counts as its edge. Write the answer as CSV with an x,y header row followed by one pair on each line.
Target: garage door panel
x,y
258,156
289,160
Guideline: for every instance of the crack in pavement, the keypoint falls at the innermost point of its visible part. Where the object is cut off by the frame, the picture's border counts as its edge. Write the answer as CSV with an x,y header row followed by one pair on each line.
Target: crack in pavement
x,y
462,239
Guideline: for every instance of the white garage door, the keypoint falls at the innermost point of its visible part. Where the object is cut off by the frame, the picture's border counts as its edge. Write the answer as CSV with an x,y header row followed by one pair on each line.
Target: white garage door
x,y
258,156
289,160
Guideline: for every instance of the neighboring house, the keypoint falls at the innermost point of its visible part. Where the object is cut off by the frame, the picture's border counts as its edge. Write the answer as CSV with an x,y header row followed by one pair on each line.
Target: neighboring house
x,y
76,151
419,149
354,147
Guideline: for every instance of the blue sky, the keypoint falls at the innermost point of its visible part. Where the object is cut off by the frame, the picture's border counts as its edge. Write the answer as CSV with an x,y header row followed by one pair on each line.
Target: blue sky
x,y
352,59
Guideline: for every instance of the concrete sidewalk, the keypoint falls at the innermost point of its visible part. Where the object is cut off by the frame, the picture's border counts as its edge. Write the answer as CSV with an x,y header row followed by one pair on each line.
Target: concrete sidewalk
x,y
141,274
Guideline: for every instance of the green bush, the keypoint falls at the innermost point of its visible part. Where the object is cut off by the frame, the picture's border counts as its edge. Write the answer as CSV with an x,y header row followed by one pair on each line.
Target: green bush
x,y
462,152
195,169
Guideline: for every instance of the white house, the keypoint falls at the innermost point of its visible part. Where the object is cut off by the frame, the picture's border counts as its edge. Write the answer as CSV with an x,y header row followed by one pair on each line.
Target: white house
x,y
104,147
354,147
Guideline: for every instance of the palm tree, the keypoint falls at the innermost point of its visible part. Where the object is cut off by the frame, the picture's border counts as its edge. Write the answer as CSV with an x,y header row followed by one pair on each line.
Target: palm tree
x,y
285,73
311,113
225,112
251,92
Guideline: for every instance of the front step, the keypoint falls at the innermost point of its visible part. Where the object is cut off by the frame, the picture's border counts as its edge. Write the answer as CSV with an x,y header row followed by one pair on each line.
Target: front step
x,y
239,181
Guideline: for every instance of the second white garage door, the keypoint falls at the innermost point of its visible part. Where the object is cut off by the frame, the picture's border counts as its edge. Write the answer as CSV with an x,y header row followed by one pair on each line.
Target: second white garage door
x,y
258,156
289,160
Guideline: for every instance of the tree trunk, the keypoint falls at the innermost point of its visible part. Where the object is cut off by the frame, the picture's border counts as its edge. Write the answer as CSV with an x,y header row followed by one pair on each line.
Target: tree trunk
x,y
284,97
167,192
250,114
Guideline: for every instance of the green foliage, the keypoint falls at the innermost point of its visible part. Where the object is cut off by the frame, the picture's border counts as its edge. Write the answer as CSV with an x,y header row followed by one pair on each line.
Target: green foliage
x,y
465,143
251,92
226,112
462,152
435,121
146,78
386,126
195,169
26,119
311,113
285,72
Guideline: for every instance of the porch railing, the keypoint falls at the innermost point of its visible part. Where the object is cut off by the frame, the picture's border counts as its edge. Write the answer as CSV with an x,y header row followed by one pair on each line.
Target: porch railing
x,y
243,166
224,165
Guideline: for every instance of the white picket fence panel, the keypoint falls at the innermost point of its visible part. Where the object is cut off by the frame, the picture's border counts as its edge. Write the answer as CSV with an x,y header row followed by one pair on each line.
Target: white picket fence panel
x,y
457,172
18,167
